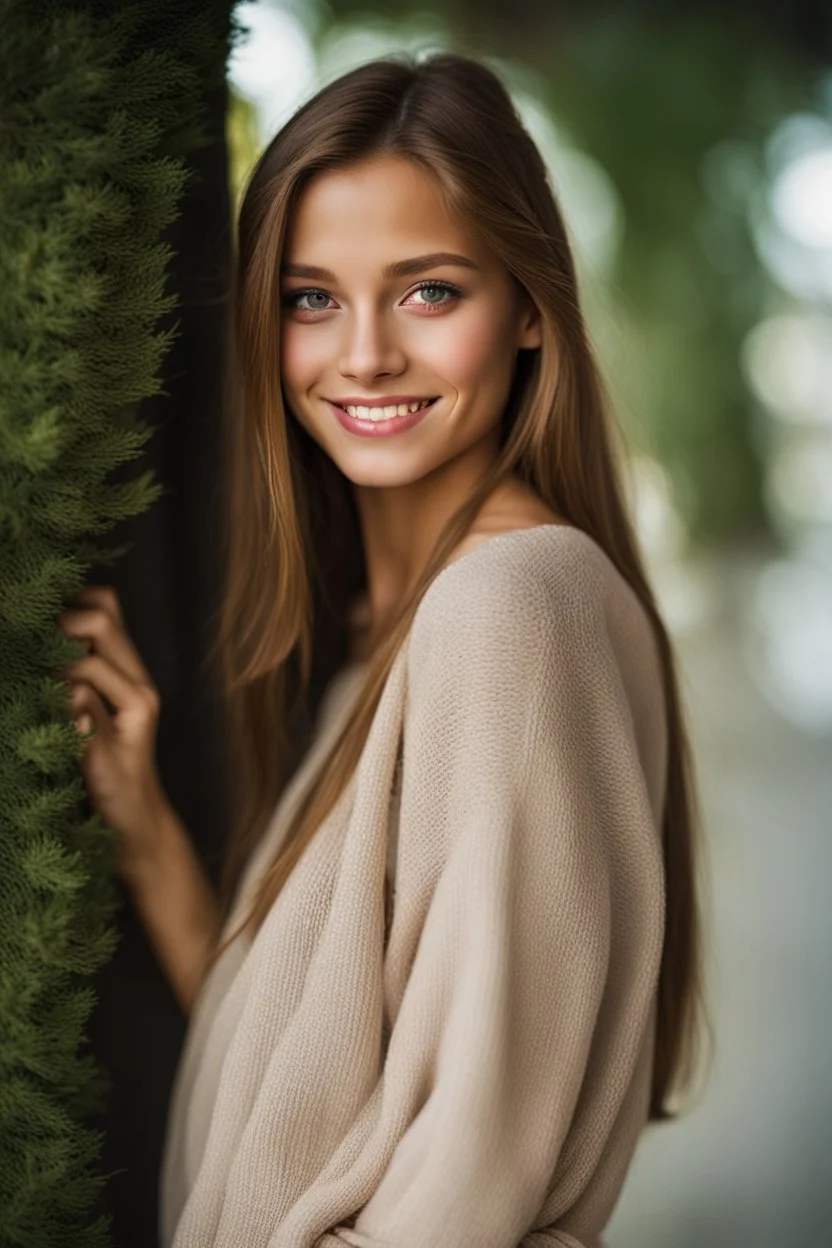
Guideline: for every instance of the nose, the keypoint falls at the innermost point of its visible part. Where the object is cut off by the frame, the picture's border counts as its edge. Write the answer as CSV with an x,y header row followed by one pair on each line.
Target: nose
x,y
370,348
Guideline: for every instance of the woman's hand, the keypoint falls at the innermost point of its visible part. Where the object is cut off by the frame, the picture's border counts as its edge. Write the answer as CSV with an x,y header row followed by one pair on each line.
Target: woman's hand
x,y
119,759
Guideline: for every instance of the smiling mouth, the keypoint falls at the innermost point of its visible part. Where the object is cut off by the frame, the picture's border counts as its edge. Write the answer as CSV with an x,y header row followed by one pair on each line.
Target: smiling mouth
x,y
361,412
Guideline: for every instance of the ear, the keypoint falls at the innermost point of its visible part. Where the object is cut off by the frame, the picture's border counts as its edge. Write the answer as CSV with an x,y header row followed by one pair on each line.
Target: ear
x,y
529,333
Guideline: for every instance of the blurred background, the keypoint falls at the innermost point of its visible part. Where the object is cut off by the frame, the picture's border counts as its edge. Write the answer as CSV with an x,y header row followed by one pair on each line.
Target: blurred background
x,y
691,149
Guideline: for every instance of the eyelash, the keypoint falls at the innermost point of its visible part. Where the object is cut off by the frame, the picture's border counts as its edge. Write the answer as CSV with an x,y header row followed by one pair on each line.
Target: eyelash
x,y
454,291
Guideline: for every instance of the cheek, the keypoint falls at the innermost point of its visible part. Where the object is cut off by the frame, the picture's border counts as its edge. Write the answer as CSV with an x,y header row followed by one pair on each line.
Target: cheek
x,y
471,350
302,356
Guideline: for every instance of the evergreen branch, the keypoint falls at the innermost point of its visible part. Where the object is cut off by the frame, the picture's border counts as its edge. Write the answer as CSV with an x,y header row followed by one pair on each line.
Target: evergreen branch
x,y
100,105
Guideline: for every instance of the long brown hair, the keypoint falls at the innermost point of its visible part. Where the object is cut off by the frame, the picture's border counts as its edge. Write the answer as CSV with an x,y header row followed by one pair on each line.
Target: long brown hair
x,y
293,550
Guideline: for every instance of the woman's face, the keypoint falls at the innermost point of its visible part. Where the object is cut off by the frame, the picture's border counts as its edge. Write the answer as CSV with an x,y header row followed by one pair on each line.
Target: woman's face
x,y
385,296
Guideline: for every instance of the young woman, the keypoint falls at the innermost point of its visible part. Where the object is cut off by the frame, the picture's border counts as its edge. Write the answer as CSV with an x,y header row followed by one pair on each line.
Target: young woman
x,y
456,968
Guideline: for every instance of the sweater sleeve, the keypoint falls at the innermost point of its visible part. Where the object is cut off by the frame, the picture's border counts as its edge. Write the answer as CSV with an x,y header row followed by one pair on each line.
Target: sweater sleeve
x,y
531,985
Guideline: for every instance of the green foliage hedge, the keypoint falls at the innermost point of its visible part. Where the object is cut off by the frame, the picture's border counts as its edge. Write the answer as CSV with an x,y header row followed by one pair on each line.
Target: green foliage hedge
x,y
100,104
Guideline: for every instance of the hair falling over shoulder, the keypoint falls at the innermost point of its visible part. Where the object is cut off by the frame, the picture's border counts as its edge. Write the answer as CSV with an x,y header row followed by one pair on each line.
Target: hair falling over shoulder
x,y
293,555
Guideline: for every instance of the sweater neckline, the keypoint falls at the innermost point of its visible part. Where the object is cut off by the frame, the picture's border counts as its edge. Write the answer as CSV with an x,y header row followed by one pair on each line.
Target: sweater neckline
x,y
360,665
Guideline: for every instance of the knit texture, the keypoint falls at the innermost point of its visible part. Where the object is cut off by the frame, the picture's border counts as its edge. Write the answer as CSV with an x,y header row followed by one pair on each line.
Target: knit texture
x,y
518,984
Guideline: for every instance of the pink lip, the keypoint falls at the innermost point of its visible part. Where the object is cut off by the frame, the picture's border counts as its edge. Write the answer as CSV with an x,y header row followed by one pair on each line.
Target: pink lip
x,y
378,428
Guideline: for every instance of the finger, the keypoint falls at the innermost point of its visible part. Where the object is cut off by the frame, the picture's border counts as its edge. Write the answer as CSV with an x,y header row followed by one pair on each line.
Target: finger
x,y
108,639
124,694
103,596
87,709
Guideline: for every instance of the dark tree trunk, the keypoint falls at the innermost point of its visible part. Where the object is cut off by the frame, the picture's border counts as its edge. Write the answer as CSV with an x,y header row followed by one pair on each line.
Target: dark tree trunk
x,y
168,585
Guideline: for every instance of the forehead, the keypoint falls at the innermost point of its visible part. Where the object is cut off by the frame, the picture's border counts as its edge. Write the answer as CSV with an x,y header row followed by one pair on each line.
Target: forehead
x,y
373,208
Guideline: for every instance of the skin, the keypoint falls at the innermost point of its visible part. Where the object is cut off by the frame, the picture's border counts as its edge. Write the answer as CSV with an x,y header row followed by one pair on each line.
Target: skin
x,y
364,334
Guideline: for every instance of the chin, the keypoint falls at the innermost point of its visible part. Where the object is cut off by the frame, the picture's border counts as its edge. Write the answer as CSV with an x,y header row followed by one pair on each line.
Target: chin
x,y
388,477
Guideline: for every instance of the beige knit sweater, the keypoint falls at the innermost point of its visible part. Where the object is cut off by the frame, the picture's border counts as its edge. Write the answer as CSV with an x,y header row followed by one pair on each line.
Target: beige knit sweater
x,y
518,985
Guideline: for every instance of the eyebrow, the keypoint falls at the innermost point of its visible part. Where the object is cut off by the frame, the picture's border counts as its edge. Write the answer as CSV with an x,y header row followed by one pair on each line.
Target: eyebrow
x,y
401,268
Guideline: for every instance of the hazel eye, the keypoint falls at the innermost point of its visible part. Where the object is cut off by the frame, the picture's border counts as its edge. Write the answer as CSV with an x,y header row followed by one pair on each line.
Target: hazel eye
x,y
291,300
445,291
430,293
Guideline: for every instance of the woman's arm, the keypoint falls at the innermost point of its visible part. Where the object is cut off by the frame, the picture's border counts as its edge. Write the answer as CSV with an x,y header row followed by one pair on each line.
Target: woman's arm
x,y
176,903
170,888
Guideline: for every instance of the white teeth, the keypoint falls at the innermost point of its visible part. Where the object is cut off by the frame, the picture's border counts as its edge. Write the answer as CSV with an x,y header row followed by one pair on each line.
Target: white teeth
x,y
385,413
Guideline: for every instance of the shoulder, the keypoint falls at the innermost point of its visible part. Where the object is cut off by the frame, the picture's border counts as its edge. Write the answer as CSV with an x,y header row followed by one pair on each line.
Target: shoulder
x,y
530,580
535,642
545,603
